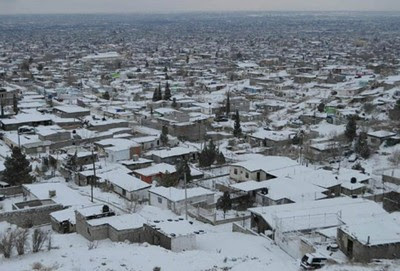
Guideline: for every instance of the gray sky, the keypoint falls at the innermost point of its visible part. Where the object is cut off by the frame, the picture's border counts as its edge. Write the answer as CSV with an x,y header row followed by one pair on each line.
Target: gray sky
x,y
112,6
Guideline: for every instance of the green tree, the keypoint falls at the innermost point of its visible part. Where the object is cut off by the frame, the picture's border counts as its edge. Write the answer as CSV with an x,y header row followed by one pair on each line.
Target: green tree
x,y
106,95
208,155
361,146
167,92
168,180
72,162
237,130
183,168
224,203
228,104
351,129
220,158
17,168
164,136
15,104
174,104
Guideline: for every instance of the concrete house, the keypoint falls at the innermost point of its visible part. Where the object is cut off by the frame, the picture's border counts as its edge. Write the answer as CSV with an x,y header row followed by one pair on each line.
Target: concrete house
x,y
258,169
125,185
70,111
377,239
375,139
173,199
154,173
173,155
118,149
174,234
100,222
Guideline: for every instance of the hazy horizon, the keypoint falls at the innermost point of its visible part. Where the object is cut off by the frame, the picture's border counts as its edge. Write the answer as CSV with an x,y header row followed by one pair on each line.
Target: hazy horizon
x,y
176,6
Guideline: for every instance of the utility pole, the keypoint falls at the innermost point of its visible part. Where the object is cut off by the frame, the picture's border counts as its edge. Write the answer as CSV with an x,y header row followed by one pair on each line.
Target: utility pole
x,y
186,206
19,140
94,176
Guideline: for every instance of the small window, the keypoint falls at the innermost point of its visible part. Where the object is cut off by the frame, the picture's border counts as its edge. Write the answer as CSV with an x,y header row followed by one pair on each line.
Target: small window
x,y
247,175
235,171
159,200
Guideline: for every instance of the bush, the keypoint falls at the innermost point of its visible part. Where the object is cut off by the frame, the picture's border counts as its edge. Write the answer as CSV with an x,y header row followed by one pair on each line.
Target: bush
x,y
38,238
21,239
7,243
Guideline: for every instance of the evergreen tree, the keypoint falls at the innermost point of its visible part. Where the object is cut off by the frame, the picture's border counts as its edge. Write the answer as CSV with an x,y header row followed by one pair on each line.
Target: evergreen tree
x,y
17,168
106,95
237,130
167,92
208,155
164,136
181,168
321,107
15,104
361,146
220,158
155,95
2,107
187,59
168,180
147,64
351,129
224,202
228,104
159,92
174,104
72,162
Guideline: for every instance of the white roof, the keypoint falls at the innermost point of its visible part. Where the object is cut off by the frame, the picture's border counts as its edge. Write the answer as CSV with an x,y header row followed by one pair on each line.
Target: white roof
x,y
174,227
177,151
63,215
381,230
280,188
120,222
64,195
156,169
26,118
124,180
318,214
71,109
175,194
273,135
381,134
267,163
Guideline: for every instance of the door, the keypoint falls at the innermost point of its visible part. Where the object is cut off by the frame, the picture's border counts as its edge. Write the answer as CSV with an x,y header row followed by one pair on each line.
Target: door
x,y
258,176
349,248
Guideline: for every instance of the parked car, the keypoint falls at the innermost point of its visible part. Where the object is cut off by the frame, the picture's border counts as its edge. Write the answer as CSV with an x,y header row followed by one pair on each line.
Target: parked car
x,y
312,261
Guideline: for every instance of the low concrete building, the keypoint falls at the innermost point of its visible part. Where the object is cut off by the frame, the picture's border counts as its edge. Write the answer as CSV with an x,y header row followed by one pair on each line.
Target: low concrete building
x,y
375,139
173,199
70,111
100,222
376,239
174,234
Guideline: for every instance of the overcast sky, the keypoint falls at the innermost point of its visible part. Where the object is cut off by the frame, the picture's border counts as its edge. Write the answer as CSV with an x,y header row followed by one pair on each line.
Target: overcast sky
x,y
132,6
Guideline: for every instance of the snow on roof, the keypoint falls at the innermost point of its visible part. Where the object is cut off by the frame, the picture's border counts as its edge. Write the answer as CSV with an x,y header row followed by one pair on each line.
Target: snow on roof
x,y
145,139
91,210
119,143
280,188
273,135
381,230
120,222
64,195
26,118
63,215
267,163
102,56
381,134
174,227
175,194
71,109
318,214
177,151
124,180
156,169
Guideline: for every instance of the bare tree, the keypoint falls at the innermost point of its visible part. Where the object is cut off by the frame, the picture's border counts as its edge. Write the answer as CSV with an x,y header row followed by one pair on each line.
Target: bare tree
x,y
7,243
38,238
21,240
395,158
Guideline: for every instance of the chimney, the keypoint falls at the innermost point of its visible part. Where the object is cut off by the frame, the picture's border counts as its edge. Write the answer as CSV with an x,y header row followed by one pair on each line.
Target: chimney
x,y
52,193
